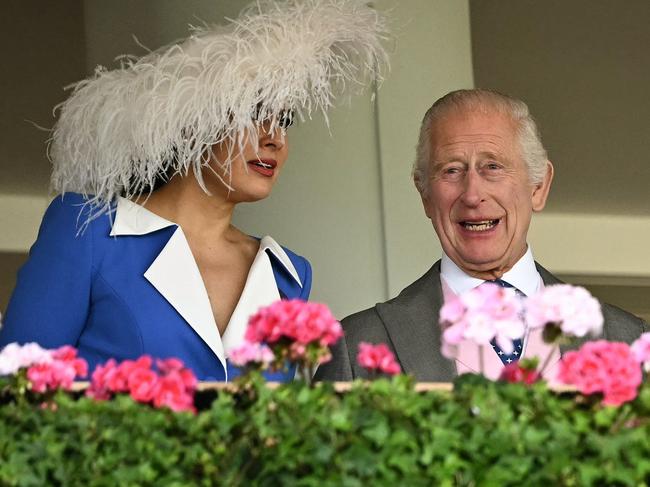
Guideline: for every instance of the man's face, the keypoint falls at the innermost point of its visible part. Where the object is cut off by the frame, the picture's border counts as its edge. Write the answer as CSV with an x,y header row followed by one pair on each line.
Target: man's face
x,y
477,192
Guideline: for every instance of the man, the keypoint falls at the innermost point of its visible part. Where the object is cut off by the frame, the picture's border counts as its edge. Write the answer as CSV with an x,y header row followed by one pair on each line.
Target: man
x,y
481,171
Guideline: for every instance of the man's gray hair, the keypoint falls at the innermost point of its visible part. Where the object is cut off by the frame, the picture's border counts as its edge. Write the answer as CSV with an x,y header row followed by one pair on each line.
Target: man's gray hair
x,y
480,100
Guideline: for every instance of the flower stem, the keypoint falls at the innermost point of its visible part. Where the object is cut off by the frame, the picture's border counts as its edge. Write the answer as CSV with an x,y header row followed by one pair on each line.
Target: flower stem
x,y
481,359
546,362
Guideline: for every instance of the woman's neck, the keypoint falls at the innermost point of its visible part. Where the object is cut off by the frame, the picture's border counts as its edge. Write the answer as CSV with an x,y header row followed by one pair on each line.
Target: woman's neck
x,y
199,214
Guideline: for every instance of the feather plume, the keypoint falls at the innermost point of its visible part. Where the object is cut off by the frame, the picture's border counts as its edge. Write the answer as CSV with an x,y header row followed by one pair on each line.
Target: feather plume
x,y
121,129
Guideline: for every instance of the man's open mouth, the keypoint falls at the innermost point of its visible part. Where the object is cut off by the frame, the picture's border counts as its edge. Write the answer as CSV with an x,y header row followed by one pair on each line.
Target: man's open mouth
x,y
479,226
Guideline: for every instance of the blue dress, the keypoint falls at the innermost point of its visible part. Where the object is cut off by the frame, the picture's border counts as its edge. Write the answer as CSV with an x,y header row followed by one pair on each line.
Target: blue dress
x,y
128,285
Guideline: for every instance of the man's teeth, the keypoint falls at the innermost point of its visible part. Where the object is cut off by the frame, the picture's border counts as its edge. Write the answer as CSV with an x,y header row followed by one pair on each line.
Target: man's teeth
x,y
480,226
263,164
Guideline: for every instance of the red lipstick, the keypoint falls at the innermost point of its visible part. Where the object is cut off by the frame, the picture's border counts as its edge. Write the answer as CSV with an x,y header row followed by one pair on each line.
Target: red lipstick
x,y
265,167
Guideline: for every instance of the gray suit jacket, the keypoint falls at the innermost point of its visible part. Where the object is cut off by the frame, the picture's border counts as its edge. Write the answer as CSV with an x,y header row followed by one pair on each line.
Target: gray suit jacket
x,y
408,324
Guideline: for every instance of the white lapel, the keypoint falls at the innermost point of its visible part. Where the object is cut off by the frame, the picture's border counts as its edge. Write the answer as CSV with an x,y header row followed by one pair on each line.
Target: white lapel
x,y
267,243
176,276
133,219
260,290
174,272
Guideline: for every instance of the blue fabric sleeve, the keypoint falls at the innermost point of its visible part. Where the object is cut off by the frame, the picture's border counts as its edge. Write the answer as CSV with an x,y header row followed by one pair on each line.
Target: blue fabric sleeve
x,y
51,301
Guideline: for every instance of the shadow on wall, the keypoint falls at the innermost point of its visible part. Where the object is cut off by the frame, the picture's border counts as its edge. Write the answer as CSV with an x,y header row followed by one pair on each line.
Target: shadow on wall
x,y
10,262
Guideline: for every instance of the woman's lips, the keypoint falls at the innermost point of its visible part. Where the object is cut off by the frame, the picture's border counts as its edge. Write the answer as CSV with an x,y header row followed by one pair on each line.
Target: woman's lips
x,y
265,167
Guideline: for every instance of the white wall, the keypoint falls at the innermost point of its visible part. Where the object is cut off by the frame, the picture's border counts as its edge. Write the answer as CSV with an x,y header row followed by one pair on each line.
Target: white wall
x,y
20,217
432,57
592,244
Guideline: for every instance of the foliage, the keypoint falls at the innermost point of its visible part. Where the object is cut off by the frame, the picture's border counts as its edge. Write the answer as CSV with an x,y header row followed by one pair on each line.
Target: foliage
x,y
379,433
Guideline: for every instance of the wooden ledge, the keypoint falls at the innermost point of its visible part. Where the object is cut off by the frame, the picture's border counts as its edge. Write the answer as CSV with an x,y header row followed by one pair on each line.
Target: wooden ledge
x,y
338,386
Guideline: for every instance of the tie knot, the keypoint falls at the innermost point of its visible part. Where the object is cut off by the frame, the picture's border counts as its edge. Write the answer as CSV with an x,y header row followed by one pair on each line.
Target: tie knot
x,y
501,283
507,285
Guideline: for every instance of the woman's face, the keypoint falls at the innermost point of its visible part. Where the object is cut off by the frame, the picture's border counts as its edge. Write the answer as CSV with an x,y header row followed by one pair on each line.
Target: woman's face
x,y
255,169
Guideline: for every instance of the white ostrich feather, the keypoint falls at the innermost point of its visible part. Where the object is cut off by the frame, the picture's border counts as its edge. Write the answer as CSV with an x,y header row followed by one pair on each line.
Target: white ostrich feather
x,y
121,129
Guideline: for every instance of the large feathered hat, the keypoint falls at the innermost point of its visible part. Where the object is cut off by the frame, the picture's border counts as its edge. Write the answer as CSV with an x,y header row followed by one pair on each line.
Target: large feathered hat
x,y
121,129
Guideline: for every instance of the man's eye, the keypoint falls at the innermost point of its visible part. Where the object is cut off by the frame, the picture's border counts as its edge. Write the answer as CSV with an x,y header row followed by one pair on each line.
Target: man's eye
x,y
493,166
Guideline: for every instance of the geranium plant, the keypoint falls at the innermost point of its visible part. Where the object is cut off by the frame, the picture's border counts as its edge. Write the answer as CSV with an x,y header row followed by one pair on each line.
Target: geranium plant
x,y
29,368
377,359
170,384
608,368
293,331
564,313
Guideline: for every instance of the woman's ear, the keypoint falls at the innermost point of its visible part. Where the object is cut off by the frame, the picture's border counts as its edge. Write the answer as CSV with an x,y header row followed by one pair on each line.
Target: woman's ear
x,y
541,189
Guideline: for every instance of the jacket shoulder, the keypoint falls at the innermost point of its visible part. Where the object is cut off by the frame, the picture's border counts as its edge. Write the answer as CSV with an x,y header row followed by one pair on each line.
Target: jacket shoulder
x,y
73,213
622,326
426,286
363,326
361,318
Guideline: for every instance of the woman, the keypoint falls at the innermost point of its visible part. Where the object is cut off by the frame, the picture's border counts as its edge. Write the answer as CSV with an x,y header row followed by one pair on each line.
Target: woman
x,y
121,268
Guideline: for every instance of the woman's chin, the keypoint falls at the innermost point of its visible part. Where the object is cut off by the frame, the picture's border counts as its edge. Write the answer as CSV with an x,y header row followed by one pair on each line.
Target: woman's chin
x,y
248,196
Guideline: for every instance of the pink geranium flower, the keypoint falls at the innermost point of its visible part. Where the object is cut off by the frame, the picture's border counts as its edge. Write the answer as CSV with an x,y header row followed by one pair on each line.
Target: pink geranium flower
x,y
377,358
641,350
172,385
167,365
58,372
251,353
576,312
295,331
485,313
14,357
603,367
516,373
295,320
170,391
141,384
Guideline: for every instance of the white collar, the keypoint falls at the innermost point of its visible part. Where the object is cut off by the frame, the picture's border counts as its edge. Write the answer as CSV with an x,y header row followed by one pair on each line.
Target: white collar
x,y
134,219
523,275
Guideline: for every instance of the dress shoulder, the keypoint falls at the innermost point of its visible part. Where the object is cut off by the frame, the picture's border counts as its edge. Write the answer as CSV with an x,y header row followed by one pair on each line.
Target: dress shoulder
x,y
74,214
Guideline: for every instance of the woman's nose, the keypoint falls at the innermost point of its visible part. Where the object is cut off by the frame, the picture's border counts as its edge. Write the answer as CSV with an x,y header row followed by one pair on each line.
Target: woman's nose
x,y
272,139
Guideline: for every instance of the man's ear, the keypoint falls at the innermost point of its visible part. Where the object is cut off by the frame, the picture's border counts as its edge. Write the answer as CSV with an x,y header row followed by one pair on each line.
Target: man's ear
x,y
541,189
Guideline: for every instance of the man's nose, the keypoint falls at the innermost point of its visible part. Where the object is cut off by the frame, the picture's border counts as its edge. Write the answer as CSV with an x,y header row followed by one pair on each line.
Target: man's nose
x,y
473,191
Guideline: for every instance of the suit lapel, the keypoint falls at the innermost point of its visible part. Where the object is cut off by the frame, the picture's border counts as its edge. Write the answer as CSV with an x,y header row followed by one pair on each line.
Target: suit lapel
x,y
176,276
548,278
411,320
